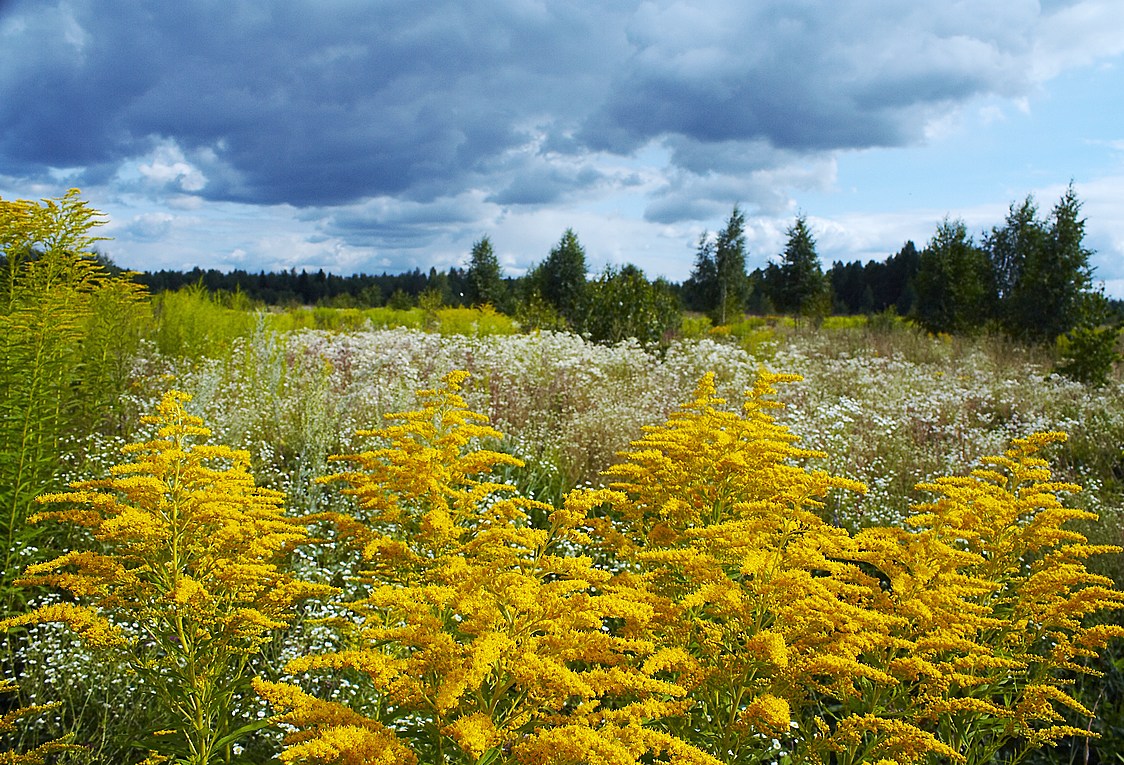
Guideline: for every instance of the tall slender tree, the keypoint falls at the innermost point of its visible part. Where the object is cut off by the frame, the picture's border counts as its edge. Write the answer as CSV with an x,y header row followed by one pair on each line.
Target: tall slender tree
x,y
729,266
802,288
561,278
485,278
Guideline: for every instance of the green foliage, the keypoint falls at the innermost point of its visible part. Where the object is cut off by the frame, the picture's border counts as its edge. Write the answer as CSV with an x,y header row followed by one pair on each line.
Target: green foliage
x,y
67,331
446,320
1042,270
534,312
718,284
8,724
474,322
694,326
700,291
954,282
1010,246
192,323
622,303
874,287
1088,354
801,286
485,285
560,279
400,301
430,302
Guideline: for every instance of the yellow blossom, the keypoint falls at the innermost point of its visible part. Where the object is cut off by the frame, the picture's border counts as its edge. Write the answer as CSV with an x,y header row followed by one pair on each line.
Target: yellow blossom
x,y
767,714
475,631
190,560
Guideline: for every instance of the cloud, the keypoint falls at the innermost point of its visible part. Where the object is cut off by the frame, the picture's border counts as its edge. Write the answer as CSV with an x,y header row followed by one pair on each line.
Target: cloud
x,y
149,226
1076,34
297,102
320,104
390,130
804,76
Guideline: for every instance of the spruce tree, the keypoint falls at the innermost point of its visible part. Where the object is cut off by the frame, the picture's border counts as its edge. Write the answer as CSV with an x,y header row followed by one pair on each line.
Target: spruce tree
x,y
803,288
561,277
485,279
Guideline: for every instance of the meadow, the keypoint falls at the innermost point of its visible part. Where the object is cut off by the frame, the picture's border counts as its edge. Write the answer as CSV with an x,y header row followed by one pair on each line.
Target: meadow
x,y
881,404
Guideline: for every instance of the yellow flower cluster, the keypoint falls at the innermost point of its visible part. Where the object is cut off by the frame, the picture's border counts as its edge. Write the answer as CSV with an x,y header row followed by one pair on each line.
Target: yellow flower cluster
x,y
698,610
725,620
189,555
993,590
481,638
947,641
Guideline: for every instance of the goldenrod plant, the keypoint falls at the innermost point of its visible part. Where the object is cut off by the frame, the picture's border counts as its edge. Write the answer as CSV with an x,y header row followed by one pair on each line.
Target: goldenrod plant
x,y
714,520
68,328
41,754
995,596
476,638
184,581
797,641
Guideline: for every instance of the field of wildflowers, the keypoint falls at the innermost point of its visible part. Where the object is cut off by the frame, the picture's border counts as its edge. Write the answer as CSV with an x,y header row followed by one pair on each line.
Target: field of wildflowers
x,y
583,553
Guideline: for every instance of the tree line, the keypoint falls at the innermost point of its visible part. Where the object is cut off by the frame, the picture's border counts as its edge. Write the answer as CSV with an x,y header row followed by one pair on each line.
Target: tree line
x,y
1029,277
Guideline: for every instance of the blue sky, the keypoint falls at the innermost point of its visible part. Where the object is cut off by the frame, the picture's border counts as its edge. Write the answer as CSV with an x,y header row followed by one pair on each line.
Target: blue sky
x,y
357,136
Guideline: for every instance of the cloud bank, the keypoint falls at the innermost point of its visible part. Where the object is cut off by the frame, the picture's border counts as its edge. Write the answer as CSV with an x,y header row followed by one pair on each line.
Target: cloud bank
x,y
393,125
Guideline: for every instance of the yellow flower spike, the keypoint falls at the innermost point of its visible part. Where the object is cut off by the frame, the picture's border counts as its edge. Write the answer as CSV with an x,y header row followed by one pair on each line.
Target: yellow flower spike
x,y
995,593
474,632
722,520
190,581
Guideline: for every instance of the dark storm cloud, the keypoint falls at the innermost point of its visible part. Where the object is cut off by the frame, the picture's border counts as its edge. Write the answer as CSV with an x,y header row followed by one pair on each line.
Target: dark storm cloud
x,y
318,104
806,76
307,103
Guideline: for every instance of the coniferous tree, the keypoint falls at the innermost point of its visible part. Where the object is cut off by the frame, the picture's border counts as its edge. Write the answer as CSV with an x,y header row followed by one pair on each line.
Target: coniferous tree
x,y
484,282
560,279
802,288
901,270
955,291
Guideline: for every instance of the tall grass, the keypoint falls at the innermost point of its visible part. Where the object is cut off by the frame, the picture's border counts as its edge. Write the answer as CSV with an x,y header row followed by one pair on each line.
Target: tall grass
x,y
193,323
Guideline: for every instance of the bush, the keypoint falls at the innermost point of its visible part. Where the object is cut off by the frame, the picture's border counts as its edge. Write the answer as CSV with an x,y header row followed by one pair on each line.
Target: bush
x,y
1088,354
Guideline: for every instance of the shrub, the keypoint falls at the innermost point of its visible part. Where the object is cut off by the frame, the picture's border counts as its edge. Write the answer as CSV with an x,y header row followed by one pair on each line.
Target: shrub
x,y
1088,354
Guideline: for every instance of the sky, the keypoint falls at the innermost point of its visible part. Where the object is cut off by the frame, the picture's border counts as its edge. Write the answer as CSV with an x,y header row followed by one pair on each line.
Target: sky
x,y
387,135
